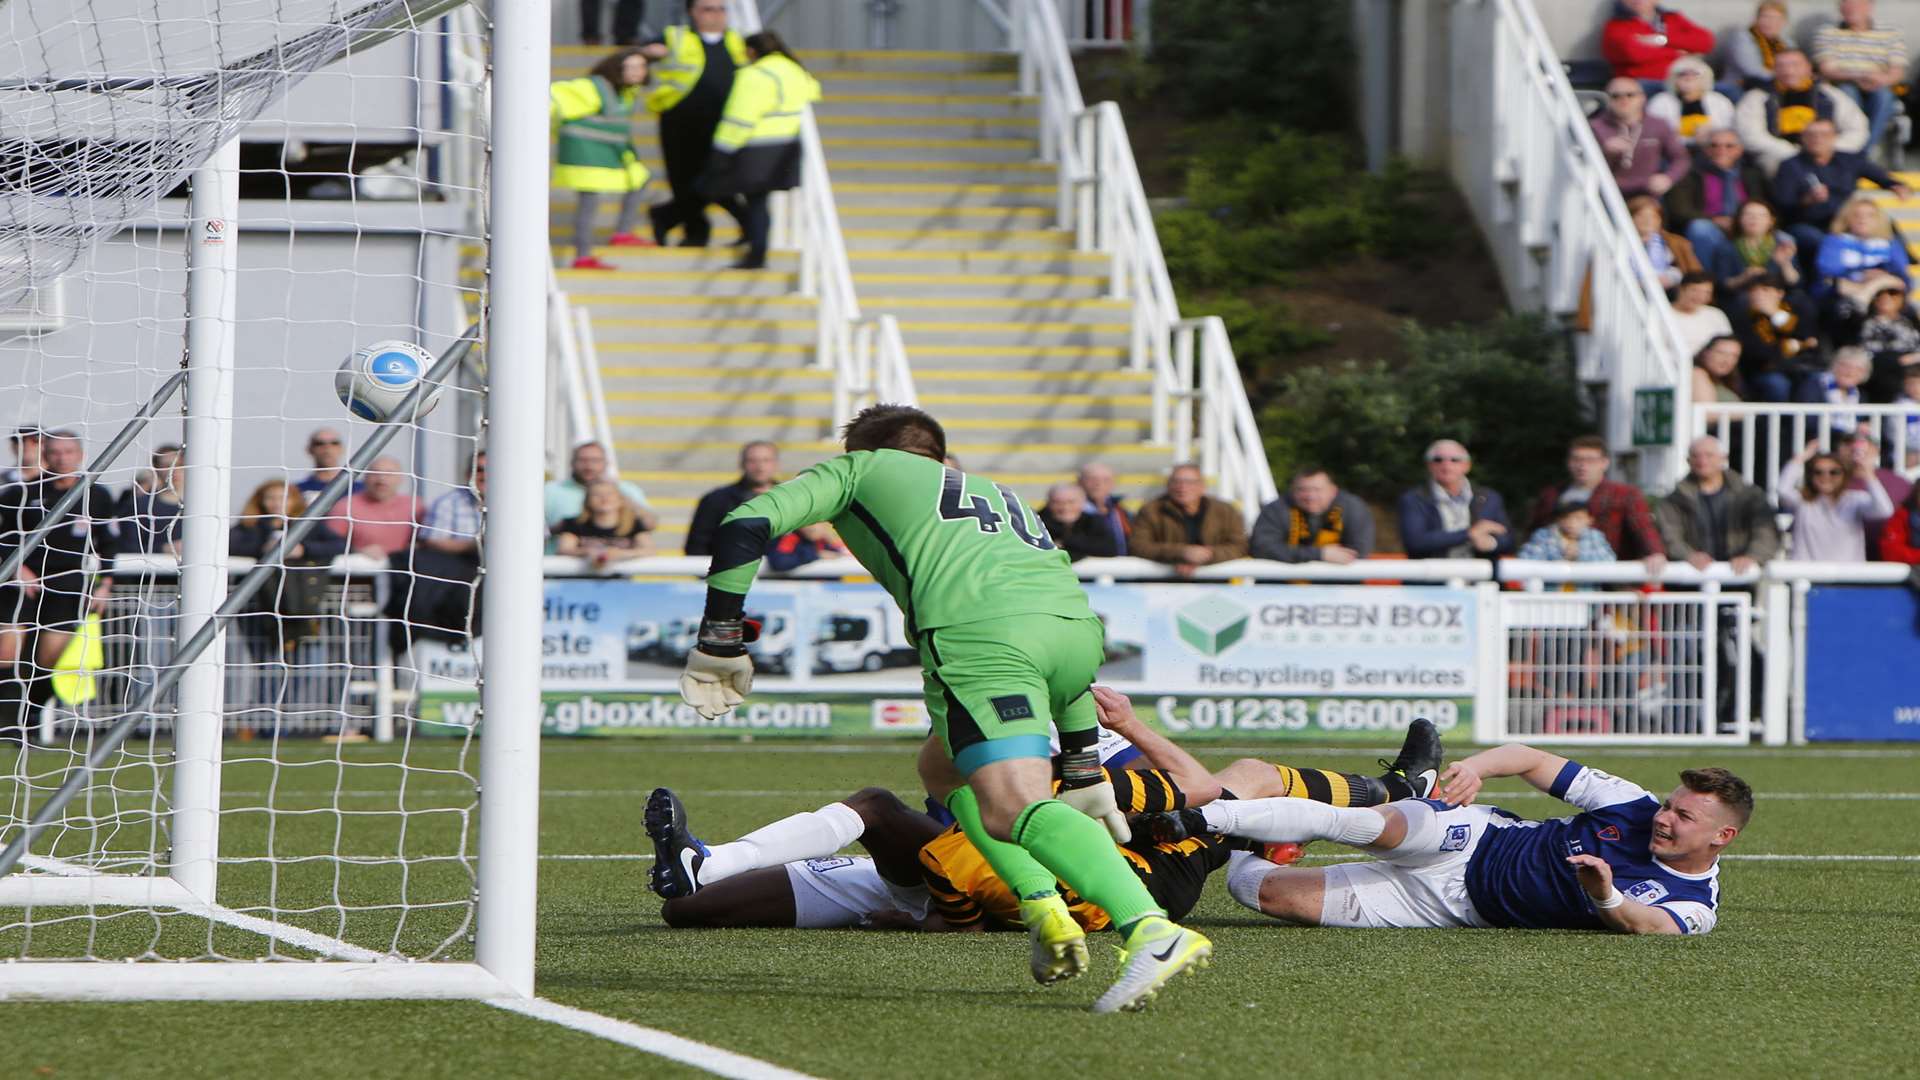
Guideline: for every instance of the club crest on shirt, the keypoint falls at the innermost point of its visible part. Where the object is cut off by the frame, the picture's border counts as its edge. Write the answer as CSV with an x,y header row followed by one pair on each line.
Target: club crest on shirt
x,y
1456,839
1648,892
1611,832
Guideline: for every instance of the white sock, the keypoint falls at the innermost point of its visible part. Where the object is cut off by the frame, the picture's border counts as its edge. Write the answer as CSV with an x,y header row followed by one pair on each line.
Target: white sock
x,y
1280,821
1245,873
815,834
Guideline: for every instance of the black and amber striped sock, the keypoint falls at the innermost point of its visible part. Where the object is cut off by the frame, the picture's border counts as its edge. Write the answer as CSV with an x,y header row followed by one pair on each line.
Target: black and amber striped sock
x,y
1333,788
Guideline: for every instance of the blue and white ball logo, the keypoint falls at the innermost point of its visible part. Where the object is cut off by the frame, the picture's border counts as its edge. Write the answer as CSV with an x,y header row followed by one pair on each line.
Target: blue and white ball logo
x,y
375,382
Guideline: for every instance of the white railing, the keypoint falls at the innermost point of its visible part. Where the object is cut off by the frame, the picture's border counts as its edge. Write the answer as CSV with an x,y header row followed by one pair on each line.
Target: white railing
x,y
1100,24
1529,166
1102,200
1759,436
578,405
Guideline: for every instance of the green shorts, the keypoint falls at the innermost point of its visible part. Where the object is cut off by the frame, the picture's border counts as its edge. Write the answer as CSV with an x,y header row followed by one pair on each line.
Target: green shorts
x,y
995,687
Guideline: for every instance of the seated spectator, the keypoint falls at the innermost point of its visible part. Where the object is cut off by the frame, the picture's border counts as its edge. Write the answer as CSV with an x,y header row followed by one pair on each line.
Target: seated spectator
x,y
1862,452
1693,312
1814,185
1865,61
1704,205
564,498
1860,253
1891,333
152,516
1910,399
1570,537
1690,105
1839,385
1313,521
1643,152
1773,121
441,601
1716,375
1750,55
1716,516
1779,341
1671,255
1829,521
1097,481
1900,538
1757,247
328,451
759,470
1642,40
1617,509
607,528
1448,518
1186,528
1079,533
810,543
264,520
378,520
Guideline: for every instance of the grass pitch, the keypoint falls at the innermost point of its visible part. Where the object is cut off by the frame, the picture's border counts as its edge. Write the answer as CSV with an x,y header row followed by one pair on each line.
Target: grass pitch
x,y
1811,971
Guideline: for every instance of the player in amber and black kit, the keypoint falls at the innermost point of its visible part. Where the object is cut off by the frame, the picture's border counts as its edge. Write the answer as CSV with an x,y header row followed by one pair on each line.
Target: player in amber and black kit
x,y
57,584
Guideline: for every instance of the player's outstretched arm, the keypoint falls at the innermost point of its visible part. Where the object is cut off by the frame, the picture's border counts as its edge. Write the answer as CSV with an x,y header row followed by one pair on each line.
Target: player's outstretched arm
x,y
1117,716
1619,914
1462,779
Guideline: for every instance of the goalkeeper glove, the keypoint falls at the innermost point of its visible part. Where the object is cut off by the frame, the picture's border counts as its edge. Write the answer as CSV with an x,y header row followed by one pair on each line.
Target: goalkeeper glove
x,y
719,674
1085,787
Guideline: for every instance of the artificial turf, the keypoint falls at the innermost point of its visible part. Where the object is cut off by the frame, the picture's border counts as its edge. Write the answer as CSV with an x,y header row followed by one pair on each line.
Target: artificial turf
x,y
1810,972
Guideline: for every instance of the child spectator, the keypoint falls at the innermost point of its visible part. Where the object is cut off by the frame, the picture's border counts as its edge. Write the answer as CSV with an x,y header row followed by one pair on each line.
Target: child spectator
x,y
809,544
1779,344
1570,538
598,154
608,527
1618,510
1829,521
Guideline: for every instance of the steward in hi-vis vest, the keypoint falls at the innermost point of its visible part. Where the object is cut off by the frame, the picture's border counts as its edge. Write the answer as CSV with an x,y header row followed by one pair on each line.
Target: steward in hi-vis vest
x,y
597,153
756,148
693,74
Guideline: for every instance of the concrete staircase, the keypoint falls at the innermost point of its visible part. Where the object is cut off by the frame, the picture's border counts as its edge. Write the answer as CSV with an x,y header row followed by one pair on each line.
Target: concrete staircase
x,y
946,218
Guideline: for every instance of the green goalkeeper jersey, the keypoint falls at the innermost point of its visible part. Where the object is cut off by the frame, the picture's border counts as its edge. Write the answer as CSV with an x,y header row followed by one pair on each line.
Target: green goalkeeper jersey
x,y
950,547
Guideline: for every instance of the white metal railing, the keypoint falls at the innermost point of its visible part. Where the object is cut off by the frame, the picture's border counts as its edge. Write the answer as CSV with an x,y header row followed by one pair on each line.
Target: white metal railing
x,y
1101,199
577,404
1759,436
1545,197
1086,24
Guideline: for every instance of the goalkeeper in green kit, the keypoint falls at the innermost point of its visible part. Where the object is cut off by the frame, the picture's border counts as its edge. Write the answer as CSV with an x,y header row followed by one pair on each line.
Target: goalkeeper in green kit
x,y
1007,645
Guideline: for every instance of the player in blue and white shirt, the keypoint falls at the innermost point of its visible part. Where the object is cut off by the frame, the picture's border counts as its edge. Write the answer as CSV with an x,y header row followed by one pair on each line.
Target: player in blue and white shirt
x,y
1628,862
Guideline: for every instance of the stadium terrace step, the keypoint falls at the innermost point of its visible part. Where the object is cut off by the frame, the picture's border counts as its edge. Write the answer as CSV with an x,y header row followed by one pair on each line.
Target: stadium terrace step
x,y
611,331
586,284
633,382
718,450
943,239
856,193
980,262
834,83
906,215
876,287
568,59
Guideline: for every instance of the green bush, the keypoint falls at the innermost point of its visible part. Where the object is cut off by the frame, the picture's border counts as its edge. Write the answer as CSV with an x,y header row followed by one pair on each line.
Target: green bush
x,y
1287,61
1504,390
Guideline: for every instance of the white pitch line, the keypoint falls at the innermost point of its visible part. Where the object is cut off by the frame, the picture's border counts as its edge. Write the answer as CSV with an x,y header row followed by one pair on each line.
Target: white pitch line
x,y
652,1040
828,793
1345,856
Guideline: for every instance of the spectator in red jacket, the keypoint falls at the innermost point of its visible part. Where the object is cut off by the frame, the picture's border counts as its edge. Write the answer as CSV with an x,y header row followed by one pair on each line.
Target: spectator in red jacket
x,y
1643,39
1619,510
1900,538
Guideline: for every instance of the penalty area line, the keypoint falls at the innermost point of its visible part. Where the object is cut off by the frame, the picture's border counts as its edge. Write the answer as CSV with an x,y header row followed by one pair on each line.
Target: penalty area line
x,y
1350,857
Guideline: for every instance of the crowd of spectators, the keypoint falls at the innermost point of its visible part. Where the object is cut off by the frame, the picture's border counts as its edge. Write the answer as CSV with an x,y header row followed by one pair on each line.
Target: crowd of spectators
x,y
1746,189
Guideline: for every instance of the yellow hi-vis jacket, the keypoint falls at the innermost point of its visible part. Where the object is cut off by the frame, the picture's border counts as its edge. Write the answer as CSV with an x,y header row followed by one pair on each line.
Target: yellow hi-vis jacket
x,y
596,137
675,74
765,106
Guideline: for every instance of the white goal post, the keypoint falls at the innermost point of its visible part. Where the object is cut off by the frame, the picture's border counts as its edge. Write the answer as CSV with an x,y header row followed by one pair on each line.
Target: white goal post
x,y
256,821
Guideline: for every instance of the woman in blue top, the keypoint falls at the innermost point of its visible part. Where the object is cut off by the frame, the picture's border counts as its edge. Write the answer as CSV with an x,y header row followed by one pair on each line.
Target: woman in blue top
x,y
1862,251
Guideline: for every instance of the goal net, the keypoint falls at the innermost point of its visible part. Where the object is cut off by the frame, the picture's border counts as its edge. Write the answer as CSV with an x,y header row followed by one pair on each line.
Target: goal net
x,y
246,192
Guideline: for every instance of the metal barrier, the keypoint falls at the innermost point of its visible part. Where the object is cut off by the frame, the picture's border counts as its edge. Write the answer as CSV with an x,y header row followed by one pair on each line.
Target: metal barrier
x,y
1758,437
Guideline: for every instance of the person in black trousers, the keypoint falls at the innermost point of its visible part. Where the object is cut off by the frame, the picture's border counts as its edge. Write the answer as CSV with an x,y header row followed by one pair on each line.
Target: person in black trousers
x,y
693,74
627,17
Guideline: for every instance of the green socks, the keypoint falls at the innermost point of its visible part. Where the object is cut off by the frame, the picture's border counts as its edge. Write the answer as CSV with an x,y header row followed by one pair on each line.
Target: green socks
x,y
1010,861
1079,851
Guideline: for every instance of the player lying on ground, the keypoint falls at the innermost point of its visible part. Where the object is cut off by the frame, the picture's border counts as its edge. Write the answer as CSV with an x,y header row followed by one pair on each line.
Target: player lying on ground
x,y
1628,862
1008,648
925,876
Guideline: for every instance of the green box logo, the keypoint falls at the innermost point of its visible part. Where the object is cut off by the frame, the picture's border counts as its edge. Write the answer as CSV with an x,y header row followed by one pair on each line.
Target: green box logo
x,y
1211,624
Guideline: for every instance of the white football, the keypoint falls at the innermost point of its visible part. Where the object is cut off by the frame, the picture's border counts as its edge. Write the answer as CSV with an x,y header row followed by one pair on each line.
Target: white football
x,y
374,381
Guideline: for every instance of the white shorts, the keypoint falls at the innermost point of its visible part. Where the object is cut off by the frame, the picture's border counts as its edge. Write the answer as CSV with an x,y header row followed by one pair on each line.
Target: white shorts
x,y
842,891
1421,884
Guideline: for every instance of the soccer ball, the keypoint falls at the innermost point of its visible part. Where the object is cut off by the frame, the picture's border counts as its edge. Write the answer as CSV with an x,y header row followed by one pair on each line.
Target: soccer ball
x,y
374,381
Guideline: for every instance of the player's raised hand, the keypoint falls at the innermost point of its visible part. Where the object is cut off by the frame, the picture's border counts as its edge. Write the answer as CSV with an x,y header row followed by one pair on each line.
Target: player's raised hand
x,y
1115,709
1459,784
